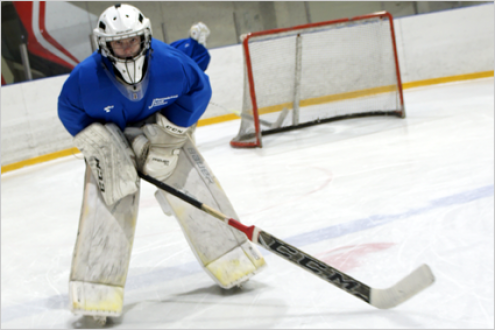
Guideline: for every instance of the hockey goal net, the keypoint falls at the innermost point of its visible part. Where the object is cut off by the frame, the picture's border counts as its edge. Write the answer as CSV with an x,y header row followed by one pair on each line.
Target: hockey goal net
x,y
316,73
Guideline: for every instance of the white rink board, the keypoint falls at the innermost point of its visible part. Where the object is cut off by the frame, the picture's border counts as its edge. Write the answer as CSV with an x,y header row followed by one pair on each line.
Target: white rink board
x,y
374,197
440,44
430,45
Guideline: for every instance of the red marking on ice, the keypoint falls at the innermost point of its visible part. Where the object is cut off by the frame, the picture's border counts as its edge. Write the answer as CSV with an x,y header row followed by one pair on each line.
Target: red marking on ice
x,y
297,199
347,257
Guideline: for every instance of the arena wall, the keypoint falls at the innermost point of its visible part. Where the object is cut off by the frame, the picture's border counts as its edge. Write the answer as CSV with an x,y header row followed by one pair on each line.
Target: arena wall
x,y
433,48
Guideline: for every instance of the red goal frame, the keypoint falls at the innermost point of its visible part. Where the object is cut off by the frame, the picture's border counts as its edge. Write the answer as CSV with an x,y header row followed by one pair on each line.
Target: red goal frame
x,y
257,142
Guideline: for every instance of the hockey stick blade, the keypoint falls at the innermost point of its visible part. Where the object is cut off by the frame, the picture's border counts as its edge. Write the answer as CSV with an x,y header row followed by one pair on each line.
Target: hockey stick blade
x,y
409,286
418,280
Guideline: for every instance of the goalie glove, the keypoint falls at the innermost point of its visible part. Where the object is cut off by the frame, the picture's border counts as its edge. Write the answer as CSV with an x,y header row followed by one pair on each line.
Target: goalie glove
x,y
157,149
199,32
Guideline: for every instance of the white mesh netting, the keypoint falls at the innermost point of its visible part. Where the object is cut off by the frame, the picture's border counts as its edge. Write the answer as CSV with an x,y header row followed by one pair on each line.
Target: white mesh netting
x,y
346,68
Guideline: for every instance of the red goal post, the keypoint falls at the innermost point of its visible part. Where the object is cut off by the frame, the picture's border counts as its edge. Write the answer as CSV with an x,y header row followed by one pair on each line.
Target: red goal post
x,y
320,72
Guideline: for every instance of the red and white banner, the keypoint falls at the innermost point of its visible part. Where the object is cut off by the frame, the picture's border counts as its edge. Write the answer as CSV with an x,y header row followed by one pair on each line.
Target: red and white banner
x,y
41,42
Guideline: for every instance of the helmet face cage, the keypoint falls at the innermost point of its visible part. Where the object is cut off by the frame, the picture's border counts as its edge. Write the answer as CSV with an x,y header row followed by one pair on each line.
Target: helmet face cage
x,y
108,51
122,22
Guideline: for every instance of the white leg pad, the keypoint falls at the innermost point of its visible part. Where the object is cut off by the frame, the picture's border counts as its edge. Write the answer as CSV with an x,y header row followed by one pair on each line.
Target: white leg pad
x,y
95,299
224,252
236,266
102,252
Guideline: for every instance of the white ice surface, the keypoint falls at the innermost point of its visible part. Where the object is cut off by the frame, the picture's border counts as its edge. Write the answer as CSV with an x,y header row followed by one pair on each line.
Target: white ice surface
x,y
374,197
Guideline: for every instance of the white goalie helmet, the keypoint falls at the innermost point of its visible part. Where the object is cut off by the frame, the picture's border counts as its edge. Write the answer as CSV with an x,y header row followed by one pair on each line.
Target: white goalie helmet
x,y
123,35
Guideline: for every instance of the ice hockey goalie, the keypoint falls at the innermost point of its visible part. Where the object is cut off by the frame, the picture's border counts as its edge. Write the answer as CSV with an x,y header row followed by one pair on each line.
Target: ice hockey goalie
x,y
129,112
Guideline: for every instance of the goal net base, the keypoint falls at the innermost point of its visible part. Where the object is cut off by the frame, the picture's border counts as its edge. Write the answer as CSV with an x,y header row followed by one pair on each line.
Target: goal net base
x,y
249,140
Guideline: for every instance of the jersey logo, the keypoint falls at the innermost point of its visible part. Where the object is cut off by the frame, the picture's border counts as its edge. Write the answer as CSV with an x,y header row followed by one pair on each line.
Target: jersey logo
x,y
107,109
162,101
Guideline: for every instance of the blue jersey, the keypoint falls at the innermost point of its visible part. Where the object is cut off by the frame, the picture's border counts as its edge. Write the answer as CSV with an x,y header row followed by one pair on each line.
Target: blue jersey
x,y
194,50
173,84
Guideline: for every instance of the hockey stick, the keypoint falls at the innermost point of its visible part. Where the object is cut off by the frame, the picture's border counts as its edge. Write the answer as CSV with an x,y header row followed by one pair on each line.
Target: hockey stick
x,y
413,283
